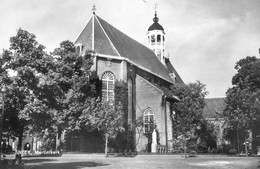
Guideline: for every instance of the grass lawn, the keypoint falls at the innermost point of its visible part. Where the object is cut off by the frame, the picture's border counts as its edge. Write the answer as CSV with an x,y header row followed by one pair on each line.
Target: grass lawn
x,y
83,161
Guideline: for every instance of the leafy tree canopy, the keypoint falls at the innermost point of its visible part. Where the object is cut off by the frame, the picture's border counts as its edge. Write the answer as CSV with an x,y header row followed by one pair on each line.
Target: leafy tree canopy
x,y
189,109
24,64
48,93
243,99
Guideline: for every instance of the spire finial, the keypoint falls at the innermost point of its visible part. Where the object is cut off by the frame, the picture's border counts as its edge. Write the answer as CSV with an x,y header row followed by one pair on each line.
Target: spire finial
x,y
155,19
94,9
155,7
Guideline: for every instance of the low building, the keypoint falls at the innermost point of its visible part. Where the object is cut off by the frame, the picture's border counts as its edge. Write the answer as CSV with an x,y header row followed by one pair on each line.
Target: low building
x,y
213,113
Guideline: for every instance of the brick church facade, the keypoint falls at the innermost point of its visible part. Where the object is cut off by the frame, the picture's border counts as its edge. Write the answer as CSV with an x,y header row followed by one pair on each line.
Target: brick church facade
x,y
147,71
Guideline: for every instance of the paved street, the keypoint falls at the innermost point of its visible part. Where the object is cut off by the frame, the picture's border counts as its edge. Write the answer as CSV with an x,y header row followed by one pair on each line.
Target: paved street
x,y
82,161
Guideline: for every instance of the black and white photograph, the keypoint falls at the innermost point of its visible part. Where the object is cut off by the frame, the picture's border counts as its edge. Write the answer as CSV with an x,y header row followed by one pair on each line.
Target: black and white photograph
x,y
130,84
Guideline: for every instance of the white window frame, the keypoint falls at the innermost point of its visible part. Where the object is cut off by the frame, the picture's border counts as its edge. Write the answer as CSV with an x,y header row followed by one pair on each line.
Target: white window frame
x,y
108,79
79,48
148,119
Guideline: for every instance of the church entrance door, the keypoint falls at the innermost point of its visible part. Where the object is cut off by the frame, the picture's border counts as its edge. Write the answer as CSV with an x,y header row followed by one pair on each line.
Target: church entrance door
x,y
75,143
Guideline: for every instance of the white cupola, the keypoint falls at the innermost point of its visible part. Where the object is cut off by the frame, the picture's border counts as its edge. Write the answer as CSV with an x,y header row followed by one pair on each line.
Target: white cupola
x,y
156,39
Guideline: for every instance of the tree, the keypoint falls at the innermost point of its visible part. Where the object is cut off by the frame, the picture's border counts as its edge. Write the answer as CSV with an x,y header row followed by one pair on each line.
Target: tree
x,y
81,88
123,140
73,83
26,60
106,118
51,93
242,112
188,111
40,84
206,136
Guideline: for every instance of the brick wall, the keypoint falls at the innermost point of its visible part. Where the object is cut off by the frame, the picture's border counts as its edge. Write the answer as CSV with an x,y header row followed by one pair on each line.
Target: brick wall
x,y
117,67
149,96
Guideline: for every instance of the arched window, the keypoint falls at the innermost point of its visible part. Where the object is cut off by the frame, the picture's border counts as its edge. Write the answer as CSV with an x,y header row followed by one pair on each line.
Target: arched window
x,y
79,48
148,120
153,39
158,39
130,101
108,83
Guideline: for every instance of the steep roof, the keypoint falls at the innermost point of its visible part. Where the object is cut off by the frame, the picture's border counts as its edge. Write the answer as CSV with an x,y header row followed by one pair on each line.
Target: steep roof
x,y
166,92
103,38
214,107
172,69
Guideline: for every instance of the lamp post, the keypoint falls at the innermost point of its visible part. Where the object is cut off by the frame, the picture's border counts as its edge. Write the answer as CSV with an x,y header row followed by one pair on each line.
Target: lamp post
x,y
3,91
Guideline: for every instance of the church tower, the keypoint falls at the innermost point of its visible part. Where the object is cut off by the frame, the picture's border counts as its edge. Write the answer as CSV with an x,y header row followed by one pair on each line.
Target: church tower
x,y
156,39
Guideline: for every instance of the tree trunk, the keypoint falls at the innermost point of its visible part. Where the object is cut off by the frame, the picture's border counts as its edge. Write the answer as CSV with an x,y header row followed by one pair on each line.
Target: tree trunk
x,y
185,149
246,150
106,154
20,139
58,140
238,149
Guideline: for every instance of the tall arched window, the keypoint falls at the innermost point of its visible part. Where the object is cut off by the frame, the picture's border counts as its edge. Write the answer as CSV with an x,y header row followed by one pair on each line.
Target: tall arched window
x,y
130,100
108,83
158,39
153,39
148,119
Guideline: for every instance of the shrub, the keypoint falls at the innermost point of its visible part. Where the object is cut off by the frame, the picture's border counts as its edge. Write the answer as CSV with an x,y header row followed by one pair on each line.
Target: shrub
x,y
232,151
226,149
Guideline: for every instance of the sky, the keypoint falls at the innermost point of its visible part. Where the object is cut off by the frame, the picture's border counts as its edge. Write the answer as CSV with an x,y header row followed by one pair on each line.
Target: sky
x,y
204,38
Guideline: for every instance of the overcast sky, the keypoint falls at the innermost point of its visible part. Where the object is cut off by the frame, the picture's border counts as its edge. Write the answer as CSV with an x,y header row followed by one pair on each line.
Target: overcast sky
x,y
205,38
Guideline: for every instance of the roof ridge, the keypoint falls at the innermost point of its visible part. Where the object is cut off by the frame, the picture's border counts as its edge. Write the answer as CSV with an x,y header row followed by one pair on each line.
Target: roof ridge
x,y
93,32
107,36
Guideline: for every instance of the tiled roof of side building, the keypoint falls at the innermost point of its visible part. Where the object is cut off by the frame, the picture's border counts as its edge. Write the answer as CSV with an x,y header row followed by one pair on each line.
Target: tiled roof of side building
x,y
214,107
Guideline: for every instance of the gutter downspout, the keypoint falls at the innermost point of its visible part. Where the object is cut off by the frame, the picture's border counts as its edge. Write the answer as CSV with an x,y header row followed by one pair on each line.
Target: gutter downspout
x,y
166,128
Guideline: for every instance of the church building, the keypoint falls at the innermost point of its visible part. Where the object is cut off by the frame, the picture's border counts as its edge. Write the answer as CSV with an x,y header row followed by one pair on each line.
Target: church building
x,y
145,68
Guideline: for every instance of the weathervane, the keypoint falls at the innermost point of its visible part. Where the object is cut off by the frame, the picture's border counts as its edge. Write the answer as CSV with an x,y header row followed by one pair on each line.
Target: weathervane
x,y
155,19
94,9
156,7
